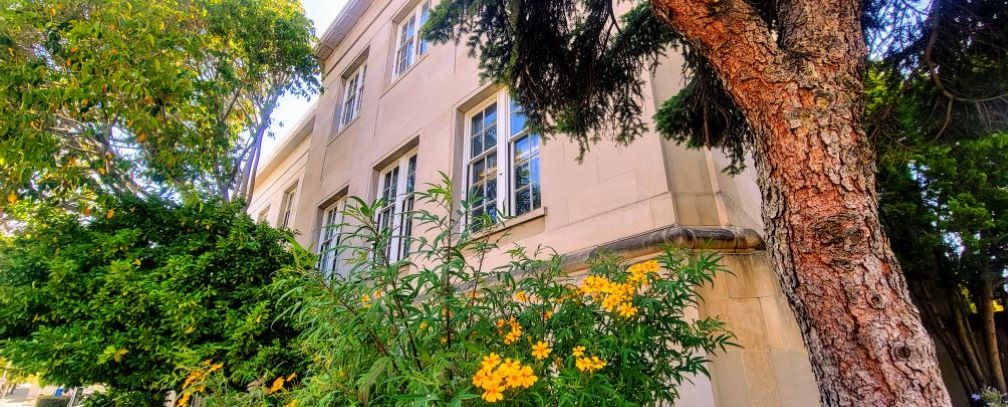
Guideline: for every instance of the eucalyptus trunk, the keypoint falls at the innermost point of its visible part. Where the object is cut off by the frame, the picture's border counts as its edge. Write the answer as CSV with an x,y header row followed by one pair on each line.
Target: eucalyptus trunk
x,y
800,89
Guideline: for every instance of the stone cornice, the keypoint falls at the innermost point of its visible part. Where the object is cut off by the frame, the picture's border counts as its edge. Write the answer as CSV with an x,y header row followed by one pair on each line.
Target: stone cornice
x,y
722,239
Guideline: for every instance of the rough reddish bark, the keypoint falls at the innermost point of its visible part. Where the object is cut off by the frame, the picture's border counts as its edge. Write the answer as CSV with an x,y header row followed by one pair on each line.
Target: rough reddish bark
x,y
801,92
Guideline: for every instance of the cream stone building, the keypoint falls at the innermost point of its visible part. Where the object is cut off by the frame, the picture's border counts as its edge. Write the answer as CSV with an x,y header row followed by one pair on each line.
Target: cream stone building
x,y
397,111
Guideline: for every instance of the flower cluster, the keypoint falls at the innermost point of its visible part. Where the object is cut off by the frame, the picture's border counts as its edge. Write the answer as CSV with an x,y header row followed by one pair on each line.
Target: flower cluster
x,y
513,334
639,272
589,364
612,296
194,383
496,376
367,298
278,384
616,296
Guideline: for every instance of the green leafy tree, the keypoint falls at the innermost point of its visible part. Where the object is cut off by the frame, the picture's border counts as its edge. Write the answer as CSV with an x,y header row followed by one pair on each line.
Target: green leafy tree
x,y
132,298
143,96
780,82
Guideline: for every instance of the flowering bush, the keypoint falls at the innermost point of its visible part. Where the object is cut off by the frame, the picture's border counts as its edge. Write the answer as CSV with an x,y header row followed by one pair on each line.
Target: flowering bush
x,y
438,328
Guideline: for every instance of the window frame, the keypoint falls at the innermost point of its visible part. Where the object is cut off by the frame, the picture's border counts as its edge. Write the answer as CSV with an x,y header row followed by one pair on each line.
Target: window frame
x,y
415,19
287,206
353,86
330,238
399,201
506,191
263,215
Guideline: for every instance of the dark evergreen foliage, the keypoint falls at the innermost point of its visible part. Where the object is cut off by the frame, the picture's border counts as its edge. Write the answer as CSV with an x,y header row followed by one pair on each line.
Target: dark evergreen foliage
x,y
576,67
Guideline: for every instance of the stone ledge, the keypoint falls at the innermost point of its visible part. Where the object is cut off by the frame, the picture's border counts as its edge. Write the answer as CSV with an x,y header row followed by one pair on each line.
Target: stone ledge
x,y
723,239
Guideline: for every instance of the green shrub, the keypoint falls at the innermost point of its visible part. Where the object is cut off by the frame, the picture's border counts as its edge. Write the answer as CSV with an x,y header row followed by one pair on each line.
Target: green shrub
x,y
52,401
134,296
436,328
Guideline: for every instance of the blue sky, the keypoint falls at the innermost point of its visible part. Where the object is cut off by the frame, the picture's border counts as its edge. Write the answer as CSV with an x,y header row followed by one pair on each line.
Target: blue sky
x,y
290,109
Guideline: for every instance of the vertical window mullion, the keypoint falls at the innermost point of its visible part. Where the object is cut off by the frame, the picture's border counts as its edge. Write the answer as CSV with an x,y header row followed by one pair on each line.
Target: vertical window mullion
x,y
504,188
397,210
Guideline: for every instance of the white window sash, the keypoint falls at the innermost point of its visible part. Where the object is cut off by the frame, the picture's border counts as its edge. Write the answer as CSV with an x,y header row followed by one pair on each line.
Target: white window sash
x,y
330,237
409,44
287,208
506,199
352,96
393,212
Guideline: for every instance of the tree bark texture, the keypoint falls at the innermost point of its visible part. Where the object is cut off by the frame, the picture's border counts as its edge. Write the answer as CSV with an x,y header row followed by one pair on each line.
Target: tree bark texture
x,y
801,92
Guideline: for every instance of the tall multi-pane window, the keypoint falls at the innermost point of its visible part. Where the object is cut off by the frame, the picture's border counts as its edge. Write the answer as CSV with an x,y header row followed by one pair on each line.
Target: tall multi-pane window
x,y
502,162
353,93
330,238
396,184
287,206
483,163
409,45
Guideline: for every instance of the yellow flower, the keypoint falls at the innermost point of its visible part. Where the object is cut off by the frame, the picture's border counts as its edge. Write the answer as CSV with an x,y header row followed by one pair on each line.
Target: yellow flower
x,y
541,350
589,364
277,385
365,299
578,351
526,377
521,296
183,401
514,334
492,394
293,403
491,361
495,376
215,367
547,315
597,363
627,310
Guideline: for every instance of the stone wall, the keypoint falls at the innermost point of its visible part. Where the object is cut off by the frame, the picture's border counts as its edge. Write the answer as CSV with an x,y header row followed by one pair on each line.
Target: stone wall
x,y
771,368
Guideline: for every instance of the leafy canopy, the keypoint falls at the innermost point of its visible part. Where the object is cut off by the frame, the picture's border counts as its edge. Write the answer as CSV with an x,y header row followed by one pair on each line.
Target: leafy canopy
x,y
145,96
127,298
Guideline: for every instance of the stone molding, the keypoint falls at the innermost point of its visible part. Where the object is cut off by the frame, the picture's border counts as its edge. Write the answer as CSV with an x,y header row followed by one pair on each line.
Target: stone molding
x,y
722,239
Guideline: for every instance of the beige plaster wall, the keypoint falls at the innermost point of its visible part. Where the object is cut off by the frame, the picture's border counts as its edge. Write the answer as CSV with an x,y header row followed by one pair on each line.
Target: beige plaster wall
x,y
270,186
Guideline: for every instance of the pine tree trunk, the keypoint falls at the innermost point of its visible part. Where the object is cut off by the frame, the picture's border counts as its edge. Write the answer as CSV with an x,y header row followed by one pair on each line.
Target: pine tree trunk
x,y
800,89
997,379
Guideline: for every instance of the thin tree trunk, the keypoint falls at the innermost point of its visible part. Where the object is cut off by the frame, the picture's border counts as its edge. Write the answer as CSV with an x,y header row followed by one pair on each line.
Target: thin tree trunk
x,y
932,318
801,91
966,341
997,378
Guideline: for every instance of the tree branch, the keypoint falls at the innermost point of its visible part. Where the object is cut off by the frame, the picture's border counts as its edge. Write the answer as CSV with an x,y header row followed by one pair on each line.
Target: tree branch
x,y
727,32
